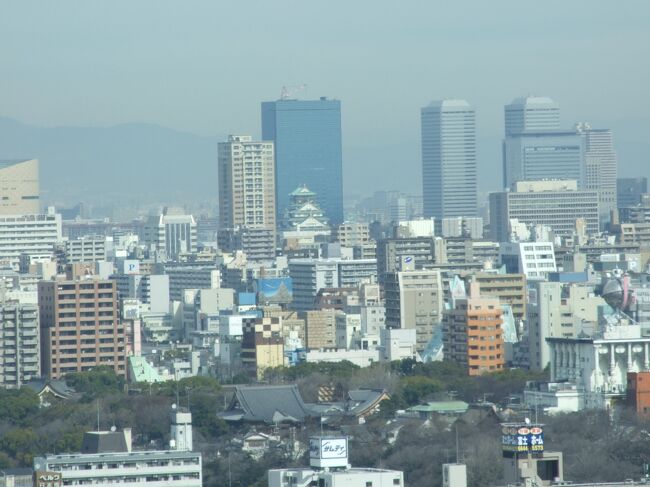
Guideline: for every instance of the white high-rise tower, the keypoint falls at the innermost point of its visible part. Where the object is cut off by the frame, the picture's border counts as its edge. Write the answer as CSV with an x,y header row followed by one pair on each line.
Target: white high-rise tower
x,y
601,166
449,183
532,113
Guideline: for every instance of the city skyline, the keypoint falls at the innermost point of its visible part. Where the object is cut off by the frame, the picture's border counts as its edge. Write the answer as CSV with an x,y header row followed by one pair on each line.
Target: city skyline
x,y
201,98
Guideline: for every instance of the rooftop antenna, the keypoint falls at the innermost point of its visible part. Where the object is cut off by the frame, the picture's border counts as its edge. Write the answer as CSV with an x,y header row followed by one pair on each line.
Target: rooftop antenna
x,y
457,446
288,91
98,415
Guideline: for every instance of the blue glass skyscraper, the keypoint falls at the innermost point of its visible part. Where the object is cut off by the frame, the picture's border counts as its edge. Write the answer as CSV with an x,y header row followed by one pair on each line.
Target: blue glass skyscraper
x,y
307,136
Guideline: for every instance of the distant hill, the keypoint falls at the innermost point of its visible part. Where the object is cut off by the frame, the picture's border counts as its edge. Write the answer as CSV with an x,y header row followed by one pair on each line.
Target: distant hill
x,y
129,162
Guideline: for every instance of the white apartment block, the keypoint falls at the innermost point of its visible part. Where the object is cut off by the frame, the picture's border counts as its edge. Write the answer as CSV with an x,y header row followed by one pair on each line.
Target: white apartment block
x,y
85,249
191,277
311,275
246,183
19,344
33,235
557,204
533,259
172,233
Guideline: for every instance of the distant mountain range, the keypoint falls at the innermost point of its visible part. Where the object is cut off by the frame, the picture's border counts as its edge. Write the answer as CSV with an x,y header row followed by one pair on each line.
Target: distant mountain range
x,y
133,163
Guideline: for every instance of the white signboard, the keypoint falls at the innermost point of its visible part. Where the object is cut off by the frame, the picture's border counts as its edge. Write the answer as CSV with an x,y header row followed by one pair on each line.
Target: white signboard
x,y
328,452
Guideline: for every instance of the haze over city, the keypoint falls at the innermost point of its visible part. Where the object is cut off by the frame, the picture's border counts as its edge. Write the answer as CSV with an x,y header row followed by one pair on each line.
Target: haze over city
x,y
204,68
282,243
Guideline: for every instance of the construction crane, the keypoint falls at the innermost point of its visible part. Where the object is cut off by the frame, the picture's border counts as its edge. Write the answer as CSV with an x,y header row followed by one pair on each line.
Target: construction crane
x,y
288,91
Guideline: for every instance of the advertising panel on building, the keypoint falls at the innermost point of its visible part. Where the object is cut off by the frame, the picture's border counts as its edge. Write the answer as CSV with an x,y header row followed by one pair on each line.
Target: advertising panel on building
x,y
328,452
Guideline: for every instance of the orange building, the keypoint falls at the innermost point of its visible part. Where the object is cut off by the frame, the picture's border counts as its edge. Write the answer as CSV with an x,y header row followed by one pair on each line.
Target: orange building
x,y
638,391
472,333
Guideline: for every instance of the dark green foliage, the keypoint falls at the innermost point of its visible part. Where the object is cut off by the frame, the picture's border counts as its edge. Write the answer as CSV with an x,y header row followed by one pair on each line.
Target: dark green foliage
x,y
17,406
99,382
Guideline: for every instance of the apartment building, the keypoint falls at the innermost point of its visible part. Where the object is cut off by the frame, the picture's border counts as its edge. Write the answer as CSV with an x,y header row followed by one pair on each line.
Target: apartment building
x,y
80,327
472,333
19,344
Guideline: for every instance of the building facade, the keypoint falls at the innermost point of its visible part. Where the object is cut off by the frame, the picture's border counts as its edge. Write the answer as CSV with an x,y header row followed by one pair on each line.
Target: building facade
x,y
307,137
80,327
556,204
33,235
472,333
19,187
414,300
246,183
19,344
531,113
170,234
449,182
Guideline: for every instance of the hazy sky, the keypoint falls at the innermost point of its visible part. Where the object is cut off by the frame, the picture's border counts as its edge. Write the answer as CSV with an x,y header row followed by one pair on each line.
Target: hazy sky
x,y
204,66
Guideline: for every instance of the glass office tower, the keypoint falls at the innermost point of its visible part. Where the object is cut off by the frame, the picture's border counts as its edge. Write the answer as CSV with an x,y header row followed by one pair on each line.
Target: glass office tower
x,y
307,136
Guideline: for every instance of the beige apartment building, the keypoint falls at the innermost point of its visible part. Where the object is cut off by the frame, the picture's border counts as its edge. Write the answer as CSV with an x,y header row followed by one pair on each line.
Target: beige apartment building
x,y
80,327
320,328
509,288
19,187
246,183
414,300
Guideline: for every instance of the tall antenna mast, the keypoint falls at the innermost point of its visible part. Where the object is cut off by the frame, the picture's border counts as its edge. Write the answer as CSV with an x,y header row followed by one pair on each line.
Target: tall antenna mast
x,y
97,415
457,446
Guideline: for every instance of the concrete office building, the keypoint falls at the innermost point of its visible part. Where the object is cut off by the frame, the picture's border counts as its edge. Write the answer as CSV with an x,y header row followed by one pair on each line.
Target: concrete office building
x,y
320,328
191,277
33,235
639,213
449,184
531,113
311,275
462,227
548,154
601,167
257,243
533,259
19,187
555,204
108,458
423,250
149,289
472,333
307,137
557,310
350,234
19,344
80,327
85,249
329,466
246,184
170,234
510,289
629,191
414,300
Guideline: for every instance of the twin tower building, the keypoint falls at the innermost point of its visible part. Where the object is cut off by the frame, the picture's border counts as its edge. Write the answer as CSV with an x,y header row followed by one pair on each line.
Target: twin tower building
x,y
535,147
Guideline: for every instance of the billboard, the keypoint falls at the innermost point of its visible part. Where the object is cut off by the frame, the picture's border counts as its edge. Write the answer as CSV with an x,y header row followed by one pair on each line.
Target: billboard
x,y
274,290
328,451
522,438
47,479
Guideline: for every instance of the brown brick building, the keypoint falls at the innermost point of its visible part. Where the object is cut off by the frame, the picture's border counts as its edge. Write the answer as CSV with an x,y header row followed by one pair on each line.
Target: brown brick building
x,y
80,327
